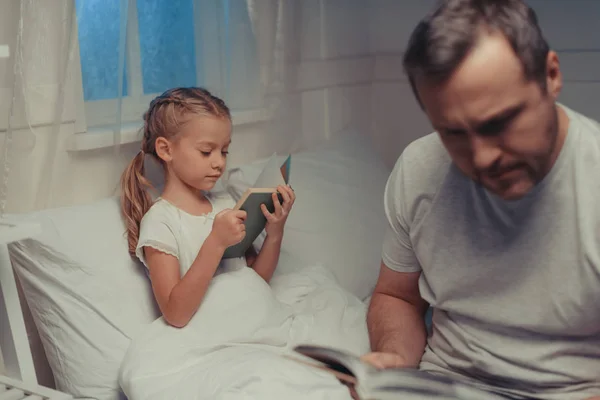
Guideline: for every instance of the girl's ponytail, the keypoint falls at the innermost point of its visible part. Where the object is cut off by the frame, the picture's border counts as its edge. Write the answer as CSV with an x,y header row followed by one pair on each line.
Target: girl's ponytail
x,y
135,199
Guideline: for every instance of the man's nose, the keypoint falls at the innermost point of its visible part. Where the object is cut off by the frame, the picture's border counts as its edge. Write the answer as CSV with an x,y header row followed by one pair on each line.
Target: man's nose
x,y
485,152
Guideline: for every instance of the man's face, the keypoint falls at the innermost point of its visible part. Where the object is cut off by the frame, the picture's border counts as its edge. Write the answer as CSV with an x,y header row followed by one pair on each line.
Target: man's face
x,y
500,130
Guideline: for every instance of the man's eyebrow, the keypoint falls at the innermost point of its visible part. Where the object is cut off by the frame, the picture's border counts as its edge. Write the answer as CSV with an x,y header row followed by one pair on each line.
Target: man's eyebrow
x,y
500,116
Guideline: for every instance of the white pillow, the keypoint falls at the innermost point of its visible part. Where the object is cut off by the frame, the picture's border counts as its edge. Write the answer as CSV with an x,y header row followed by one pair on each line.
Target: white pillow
x,y
338,217
88,298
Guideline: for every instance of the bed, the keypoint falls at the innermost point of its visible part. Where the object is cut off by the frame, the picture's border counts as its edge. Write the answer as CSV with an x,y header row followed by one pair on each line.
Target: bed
x,y
100,329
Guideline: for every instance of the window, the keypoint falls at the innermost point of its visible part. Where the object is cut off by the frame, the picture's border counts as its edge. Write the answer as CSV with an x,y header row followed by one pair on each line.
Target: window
x,y
164,44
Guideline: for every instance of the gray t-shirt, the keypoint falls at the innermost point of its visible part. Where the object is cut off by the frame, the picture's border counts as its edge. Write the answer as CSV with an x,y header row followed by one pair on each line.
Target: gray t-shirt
x,y
515,285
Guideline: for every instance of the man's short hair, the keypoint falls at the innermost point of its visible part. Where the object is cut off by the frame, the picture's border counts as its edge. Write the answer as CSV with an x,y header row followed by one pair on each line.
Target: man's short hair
x,y
443,39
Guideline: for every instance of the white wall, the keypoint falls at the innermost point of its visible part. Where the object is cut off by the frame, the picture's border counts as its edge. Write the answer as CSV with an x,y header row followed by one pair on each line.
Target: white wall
x,y
397,118
336,67
571,27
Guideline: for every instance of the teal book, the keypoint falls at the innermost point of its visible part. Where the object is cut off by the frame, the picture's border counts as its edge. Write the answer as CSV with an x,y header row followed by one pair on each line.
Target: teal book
x,y
261,192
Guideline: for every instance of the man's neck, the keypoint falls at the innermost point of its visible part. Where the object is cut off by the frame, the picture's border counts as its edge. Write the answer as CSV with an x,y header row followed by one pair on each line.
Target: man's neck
x,y
563,122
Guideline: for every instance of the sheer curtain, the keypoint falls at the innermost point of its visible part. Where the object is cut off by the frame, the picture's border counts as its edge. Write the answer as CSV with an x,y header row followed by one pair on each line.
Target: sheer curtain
x,y
280,28
37,91
267,17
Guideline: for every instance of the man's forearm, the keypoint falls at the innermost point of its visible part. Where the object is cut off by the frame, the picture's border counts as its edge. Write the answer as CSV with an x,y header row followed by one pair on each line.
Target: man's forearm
x,y
396,326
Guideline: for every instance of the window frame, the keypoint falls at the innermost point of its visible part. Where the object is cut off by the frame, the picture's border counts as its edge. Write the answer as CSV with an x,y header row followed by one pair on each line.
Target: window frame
x,y
101,115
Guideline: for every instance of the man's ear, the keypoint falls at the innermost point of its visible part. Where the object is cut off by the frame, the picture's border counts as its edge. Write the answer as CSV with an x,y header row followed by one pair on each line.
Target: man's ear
x,y
553,75
163,149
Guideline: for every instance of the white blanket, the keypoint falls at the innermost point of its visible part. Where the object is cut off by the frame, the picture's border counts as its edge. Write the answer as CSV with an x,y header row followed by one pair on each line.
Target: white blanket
x,y
232,348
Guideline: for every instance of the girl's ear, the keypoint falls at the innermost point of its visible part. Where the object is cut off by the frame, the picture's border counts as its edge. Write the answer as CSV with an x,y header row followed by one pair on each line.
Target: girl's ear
x,y
163,149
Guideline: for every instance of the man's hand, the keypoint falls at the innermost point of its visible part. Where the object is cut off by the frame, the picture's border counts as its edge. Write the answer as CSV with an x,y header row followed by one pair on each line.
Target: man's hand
x,y
384,360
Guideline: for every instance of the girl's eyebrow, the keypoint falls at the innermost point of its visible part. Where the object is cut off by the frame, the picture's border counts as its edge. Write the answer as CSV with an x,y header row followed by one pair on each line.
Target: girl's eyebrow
x,y
212,143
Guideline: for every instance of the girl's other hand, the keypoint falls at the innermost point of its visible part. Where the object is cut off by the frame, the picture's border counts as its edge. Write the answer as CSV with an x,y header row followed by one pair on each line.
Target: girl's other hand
x,y
277,219
228,227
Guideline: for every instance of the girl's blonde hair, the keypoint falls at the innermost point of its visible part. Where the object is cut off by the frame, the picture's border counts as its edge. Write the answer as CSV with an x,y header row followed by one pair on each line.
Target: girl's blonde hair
x,y
165,116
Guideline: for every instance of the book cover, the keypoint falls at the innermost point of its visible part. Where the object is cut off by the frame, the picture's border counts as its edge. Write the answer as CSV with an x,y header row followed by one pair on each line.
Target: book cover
x,y
266,184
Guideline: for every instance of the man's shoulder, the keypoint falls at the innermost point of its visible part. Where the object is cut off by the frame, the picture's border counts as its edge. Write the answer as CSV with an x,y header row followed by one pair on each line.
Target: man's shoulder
x,y
428,148
424,163
417,177
585,123
587,140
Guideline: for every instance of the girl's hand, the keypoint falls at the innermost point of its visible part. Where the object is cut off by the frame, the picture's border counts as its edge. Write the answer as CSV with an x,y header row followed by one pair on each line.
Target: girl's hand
x,y
277,219
228,227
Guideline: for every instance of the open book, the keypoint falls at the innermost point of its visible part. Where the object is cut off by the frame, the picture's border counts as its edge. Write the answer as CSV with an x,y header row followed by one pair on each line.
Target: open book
x,y
261,192
369,383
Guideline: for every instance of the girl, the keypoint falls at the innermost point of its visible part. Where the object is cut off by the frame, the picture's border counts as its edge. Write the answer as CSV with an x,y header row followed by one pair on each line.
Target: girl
x,y
181,237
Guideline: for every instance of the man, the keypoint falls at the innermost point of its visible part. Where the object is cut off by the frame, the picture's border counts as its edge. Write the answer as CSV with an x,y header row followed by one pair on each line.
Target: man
x,y
493,219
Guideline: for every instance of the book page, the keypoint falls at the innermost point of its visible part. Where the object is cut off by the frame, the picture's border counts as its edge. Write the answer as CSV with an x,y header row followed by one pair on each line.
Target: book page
x,y
285,169
338,361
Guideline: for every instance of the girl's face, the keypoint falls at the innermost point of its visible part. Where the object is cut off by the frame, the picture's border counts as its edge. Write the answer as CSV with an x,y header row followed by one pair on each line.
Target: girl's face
x,y
198,156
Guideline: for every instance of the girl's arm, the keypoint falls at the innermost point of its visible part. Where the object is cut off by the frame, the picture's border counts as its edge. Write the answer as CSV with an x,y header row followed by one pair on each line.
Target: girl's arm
x,y
268,257
179,298
266,261
251,256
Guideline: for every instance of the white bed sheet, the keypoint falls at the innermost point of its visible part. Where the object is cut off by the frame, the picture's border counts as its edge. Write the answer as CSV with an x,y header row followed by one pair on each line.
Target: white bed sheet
x,y
232,348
